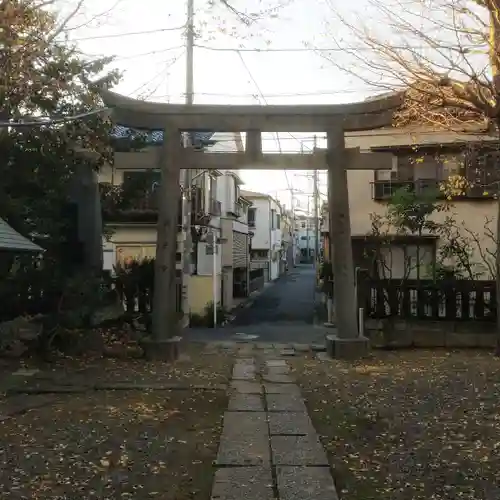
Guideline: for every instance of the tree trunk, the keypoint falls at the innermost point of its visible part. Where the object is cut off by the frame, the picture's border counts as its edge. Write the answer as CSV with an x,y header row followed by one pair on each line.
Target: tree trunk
x,y
493,7
87,197
497,277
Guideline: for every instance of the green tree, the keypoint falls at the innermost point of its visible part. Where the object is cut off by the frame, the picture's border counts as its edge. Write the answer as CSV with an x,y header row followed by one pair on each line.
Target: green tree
x,y
48,169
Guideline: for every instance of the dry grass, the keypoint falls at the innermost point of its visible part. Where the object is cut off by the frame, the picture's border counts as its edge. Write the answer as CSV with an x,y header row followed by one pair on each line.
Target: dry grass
x,y
409,425
109,445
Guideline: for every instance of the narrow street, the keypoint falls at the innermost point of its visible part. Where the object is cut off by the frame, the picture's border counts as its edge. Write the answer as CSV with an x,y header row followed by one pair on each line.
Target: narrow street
x,y
289,299
283,312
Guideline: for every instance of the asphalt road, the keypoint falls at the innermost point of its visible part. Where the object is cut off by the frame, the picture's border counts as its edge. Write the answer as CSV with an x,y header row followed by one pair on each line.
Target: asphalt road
x,y
289,299
282,313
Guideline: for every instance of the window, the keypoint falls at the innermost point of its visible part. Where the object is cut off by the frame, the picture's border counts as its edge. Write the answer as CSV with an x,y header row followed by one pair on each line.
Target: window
x,y
303,225
278,221
303,238
251,216
273,219
213,188
236,191
482,168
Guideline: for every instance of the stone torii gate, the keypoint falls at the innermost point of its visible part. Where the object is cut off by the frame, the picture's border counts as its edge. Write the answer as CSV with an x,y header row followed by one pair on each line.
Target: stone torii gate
x,y
335,120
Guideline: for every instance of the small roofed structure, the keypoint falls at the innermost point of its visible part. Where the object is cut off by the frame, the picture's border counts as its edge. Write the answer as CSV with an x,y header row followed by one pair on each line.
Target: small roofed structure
x,y
12,241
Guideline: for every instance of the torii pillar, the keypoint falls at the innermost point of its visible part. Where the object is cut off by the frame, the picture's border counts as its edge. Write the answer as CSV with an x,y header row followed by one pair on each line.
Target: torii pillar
x,y
334,119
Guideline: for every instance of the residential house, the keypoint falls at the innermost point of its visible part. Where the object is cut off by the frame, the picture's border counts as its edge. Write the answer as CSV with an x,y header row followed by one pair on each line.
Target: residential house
x,y
218,213
235,238
264,221
305,229
422,160
129,191
288,242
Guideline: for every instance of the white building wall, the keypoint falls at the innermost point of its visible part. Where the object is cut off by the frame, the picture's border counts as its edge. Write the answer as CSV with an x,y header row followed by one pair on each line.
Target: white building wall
x,y
262,233
206,262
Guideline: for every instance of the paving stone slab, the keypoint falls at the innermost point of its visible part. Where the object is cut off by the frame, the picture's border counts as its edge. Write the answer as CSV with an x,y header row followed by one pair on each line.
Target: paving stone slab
x,y
248,360
301,347
290,424
278,378
299,483
245,402
244,423
298,450
236,483
282,389
244,440
245,350
244,371
245,387
318,347
285,402
275,362
269,351
277,370
243,451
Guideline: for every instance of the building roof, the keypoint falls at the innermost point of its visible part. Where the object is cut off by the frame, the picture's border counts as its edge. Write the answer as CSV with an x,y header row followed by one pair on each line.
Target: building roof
x,y
386,138
155,137
11,240
253,194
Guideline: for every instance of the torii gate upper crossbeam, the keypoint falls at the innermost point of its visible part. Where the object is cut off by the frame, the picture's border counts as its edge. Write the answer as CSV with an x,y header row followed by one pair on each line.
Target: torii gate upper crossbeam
x,y
274,118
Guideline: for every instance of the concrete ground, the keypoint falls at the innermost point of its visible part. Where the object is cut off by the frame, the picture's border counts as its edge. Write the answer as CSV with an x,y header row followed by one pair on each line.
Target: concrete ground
x,y
283,313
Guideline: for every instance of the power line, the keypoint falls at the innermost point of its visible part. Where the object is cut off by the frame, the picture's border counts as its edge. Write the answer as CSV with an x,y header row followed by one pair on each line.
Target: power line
x,y
314,49
259,90
44,121
291,94
132,56
163,71
130,33
277,135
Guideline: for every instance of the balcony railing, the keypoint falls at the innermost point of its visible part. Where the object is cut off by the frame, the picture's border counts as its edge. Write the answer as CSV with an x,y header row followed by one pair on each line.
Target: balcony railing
x,y
214,207
122,205
236,210
383,190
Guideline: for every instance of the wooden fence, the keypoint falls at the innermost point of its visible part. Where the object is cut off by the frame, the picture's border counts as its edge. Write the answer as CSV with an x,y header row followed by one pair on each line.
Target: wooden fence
x,y
453,300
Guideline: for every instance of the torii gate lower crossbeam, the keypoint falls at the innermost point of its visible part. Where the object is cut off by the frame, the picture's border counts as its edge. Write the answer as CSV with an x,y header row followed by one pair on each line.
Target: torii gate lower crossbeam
x,y
335,120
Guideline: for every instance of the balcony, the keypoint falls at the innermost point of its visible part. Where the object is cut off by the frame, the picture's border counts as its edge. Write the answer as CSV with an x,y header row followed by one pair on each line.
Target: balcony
x,y
214,207
120,204
235,210
383,190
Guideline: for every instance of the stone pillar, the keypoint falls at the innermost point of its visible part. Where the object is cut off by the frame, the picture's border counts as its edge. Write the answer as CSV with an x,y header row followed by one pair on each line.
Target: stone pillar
x,y
346,342
164,341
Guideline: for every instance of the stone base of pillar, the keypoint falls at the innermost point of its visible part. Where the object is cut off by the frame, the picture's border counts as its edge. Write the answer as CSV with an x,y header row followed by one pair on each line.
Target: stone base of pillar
x,y
161,350
353,348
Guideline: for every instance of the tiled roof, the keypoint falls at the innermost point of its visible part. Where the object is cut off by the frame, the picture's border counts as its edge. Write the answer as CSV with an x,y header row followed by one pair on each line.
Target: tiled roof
x,y
155,136
393,137
10,239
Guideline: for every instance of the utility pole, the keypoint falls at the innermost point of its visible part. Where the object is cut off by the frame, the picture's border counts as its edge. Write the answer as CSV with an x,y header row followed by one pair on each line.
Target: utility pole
x,y
316,211
307,226
187,180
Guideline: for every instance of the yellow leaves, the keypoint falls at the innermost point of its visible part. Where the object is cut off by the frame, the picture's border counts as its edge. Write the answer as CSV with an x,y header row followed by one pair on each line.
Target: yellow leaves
x,y
454,185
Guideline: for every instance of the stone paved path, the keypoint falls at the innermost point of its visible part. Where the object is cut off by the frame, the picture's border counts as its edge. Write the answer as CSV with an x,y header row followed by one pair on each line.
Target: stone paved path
x,y
269,448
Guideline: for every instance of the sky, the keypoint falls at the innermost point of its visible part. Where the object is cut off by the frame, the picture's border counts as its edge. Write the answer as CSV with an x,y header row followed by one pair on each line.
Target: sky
x,y
269,63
